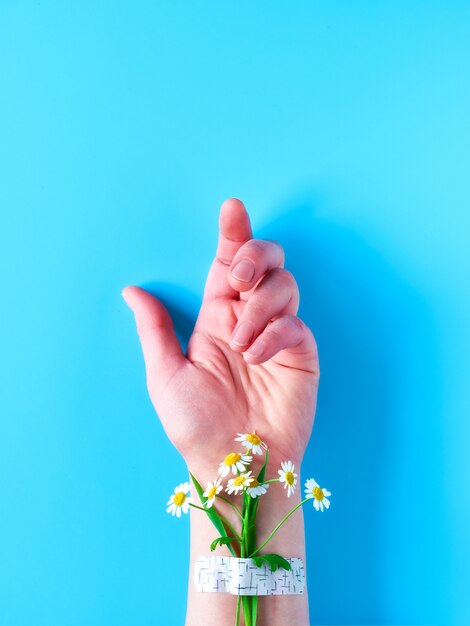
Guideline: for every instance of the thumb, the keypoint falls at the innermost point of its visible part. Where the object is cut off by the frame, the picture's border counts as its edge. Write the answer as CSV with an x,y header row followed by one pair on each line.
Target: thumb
x,y
162,352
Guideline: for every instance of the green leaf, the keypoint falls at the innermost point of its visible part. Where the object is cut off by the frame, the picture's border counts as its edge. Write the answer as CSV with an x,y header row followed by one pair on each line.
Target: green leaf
x,y
223,541
212,513
273,560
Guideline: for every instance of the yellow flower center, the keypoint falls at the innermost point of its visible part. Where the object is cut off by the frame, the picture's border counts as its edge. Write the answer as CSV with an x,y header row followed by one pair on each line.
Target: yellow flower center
x,y
239,480
254,483
212,492
179,498
290,478
318,493
232,458
253,439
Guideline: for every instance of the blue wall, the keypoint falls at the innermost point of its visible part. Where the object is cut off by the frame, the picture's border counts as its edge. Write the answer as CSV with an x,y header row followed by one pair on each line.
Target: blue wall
x,y
345,128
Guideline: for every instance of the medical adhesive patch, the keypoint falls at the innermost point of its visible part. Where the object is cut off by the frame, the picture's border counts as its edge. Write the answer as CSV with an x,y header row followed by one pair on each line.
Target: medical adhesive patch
x,y
241,577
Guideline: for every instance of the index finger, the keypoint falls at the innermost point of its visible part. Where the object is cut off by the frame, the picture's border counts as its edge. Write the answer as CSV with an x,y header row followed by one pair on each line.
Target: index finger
x,y
235,230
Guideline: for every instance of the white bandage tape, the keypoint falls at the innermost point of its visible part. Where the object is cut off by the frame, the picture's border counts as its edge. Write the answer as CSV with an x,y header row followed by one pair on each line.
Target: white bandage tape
x,y
241,577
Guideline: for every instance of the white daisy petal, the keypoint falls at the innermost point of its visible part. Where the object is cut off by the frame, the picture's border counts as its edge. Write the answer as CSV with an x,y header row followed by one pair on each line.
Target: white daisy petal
x,y
310,484
326,502
250,441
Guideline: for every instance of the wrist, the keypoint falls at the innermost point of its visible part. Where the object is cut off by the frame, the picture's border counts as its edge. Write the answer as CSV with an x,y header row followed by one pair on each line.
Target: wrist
x,y
288,541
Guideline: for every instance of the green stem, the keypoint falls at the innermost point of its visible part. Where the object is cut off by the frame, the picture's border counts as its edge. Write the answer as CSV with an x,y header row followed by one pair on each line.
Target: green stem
x,y
231,504
243,543
237,536
195,506
271,480
237,616
246,600
279,526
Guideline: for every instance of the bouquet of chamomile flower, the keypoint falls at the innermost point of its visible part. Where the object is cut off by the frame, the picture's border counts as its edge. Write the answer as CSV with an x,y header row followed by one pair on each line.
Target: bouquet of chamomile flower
x,y
241,483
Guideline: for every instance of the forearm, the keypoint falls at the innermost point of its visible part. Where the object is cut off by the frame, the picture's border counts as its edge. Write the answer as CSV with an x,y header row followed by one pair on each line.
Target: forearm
x,y
218,609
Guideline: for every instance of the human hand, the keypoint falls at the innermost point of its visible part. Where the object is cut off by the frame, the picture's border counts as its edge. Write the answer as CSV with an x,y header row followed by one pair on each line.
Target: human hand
x,y
261,378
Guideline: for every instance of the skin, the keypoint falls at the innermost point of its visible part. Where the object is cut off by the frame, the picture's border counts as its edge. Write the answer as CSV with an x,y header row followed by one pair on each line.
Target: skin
x,y
224,386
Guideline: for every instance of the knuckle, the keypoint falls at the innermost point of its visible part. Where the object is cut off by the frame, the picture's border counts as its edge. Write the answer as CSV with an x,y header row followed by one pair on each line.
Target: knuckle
x,y
224,261
275,335
284,277
295,322
257,244
267,246
273,242
255,309
252,249
259,250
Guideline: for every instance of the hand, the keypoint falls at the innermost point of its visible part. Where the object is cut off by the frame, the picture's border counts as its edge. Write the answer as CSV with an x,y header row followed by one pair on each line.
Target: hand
x,y
251,364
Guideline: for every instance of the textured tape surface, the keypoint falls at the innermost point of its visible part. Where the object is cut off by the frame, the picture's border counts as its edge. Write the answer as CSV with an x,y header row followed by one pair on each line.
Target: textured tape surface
x,y
241,577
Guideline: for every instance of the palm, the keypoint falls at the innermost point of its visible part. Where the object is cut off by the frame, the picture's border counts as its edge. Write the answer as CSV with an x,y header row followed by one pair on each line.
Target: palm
x,y
204,398
218,394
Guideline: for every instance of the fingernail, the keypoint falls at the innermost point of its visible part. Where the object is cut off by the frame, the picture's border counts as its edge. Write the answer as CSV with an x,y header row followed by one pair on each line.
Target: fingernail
x,y
244,270
256,349
243,334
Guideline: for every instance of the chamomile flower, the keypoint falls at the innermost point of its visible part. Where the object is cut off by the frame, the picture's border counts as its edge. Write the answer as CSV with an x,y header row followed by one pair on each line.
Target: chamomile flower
x,y
235,462
252,442
179,500
256,489
288,477
319,495
237,484
211,491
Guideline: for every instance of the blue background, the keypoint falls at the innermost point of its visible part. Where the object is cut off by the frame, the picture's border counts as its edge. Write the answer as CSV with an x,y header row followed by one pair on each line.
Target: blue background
x,y
344,127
